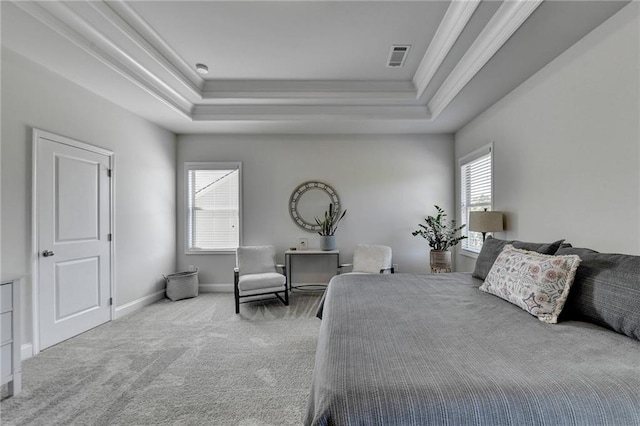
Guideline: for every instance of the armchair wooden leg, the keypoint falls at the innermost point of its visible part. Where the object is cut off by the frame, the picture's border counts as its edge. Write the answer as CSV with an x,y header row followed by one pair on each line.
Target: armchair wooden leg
x,y
285,301
286,293
236,292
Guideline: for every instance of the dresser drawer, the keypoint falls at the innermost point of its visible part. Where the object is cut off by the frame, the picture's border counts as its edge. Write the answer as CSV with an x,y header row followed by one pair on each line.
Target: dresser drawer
x,y
6,328
6,361
6,298
10,368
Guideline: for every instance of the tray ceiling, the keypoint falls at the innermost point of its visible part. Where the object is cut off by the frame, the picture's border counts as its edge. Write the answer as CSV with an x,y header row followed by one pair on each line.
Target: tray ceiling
x,y
300,66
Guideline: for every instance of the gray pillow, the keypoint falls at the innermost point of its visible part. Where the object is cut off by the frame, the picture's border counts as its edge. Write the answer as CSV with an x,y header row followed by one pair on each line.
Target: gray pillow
x,y
492,247
606,291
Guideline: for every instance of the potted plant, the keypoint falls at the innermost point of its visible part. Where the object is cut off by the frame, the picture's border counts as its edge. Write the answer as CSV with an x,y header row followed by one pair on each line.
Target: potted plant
x,y
441,235
328,226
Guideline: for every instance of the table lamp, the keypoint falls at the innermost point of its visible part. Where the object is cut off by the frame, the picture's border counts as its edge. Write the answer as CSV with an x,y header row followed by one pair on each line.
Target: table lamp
x,y
485,221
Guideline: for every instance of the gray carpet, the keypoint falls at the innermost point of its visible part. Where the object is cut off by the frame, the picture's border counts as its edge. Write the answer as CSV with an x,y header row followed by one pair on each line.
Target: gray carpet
x,y
190,362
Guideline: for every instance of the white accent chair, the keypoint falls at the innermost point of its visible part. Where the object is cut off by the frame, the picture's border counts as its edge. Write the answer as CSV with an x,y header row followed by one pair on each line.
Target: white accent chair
x,y
256,275
370,259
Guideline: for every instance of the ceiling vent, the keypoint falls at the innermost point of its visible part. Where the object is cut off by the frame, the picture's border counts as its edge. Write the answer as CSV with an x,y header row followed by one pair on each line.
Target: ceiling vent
x,y
397,56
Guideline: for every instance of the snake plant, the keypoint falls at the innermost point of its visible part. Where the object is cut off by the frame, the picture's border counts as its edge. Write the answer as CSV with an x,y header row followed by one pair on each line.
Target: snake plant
x,y
329,222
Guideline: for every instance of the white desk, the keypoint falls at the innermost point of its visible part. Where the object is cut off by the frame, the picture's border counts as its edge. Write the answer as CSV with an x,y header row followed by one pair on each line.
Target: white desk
x,y
289,255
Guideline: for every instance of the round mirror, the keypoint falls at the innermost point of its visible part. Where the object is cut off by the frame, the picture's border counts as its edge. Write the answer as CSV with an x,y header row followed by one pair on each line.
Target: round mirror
x,y
311,200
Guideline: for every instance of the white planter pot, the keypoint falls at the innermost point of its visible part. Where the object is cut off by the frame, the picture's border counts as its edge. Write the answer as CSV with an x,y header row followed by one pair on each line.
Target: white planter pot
x,y
328,242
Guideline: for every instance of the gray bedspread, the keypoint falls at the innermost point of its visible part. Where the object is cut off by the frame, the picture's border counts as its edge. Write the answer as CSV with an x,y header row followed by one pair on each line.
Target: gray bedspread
x,y
434,350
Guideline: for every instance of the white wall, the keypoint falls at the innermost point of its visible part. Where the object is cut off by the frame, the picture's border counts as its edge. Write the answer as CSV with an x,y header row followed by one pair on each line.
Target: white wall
x,y
566,145
145,176
388,184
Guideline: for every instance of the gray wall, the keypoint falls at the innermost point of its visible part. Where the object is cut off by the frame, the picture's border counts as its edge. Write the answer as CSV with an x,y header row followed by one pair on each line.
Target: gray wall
x,y
388,183
566,145
145,176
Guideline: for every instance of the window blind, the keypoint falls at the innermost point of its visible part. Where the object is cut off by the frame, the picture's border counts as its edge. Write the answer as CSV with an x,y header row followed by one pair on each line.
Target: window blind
x,y
213,207
476,192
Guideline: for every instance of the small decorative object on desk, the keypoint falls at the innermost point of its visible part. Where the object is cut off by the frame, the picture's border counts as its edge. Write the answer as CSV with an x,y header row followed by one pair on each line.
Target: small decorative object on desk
x,y
328,226
303,243
441,234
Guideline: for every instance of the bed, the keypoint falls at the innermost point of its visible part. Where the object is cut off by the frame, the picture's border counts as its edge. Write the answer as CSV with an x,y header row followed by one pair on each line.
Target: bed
x,y
409,349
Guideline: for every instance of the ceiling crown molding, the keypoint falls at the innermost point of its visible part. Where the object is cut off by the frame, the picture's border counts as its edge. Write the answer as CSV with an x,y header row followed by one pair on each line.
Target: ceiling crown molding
x,y
507,19
308,112
311,91
67,23
119,37
455,20
132,24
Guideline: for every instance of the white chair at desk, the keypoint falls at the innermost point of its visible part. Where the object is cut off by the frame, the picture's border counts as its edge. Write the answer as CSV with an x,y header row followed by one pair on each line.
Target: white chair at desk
x,y
370,259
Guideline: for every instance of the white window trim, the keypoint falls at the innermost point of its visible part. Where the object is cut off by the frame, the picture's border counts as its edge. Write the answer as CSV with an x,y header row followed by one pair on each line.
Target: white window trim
x,y
210,166
483,150
468,253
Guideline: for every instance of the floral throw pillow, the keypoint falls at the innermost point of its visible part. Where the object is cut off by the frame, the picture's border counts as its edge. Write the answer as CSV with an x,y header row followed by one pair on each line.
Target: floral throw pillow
x,y
538,283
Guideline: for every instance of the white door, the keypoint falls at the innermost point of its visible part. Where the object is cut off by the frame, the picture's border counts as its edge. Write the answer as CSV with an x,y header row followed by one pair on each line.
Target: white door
x,y
73,237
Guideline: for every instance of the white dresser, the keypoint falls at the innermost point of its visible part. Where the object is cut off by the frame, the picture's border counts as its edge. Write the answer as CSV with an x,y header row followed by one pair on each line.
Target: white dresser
x,y
11,370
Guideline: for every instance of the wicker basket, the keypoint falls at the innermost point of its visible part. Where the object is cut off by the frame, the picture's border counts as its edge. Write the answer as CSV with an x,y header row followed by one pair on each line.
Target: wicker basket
x,y
182,285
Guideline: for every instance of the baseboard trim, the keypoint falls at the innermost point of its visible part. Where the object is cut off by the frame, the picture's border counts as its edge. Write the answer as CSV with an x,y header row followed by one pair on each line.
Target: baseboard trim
x,y
215,288
26,351
130,307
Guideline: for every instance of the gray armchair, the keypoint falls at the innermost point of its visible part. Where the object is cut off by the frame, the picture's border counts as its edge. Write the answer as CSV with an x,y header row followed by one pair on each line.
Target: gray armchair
x,y
256,275
370,259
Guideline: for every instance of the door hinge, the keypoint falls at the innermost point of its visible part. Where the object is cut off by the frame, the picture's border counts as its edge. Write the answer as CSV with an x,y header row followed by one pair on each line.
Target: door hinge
x,y
108,172
110,301
109,237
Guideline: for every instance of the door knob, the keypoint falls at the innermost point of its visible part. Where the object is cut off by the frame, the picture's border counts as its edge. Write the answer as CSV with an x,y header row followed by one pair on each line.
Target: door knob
x,y
47,253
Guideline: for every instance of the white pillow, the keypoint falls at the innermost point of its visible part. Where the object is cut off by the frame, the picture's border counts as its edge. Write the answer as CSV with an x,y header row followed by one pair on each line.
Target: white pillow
x,y
538,283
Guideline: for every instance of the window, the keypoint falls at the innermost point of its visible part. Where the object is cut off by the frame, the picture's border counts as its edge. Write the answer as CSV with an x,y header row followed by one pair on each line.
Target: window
x,y
213,206
476,191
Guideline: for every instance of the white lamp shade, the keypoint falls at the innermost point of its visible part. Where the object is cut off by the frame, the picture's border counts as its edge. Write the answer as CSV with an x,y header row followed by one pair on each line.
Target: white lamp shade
x,y
485,221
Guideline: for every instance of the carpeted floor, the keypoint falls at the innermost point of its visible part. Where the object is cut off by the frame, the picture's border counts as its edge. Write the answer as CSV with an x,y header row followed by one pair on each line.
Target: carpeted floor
x,y
190,362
